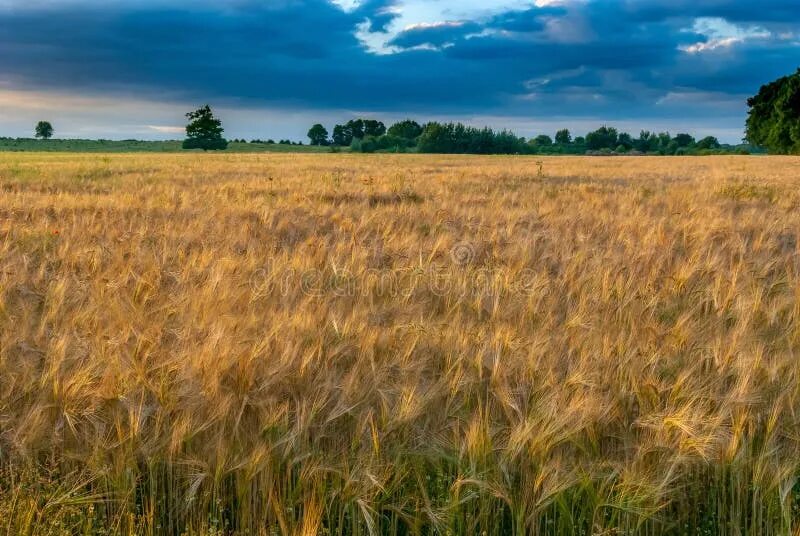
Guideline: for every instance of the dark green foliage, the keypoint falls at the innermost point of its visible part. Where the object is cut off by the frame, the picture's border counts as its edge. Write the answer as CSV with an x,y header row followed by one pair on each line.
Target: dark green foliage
x,y
318,135
774,118
684,140
708,143
204,131
608,140
374,128
661,143
217,144
563,137
602,138
456,138
341,136
385,143
408,129
625,141
646,142
357,129
44,130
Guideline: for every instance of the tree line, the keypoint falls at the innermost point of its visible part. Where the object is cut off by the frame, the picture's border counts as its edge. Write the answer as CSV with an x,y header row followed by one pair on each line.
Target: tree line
x,y
773,123
368,136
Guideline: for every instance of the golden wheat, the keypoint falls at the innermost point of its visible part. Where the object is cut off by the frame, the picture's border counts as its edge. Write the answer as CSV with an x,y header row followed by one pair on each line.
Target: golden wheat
x,y
351,344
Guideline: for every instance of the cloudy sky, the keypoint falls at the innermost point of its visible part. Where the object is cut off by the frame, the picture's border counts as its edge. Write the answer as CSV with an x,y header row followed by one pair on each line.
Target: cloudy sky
x,y
131,68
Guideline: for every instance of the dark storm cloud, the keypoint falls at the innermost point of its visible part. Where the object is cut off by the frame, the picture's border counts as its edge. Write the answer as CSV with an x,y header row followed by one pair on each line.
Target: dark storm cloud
x,y
615,58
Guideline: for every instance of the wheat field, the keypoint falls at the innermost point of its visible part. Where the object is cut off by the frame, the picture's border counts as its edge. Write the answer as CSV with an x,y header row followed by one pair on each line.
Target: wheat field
x,y
399,345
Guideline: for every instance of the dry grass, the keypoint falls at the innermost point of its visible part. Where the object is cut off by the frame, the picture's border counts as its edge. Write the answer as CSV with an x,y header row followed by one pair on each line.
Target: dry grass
x,y
344,344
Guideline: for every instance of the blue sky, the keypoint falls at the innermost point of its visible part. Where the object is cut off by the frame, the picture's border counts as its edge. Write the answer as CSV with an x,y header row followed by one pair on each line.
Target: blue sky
x,y
131,68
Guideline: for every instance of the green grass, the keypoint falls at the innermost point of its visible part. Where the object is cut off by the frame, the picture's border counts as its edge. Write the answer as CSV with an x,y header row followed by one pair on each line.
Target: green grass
x,y
133,146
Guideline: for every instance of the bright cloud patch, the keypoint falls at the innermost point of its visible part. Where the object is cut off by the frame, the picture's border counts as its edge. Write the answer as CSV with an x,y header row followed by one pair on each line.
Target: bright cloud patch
x,y
166,129
722,34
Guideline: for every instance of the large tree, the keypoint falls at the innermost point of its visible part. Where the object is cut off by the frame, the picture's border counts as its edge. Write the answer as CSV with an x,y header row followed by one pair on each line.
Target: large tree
x,y
602,138
374,128
708,143
318,135
204,131
44,130
408,129
774,118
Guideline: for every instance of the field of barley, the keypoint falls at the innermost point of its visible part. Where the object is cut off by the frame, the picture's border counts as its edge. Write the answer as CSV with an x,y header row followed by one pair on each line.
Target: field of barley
x,y
399,345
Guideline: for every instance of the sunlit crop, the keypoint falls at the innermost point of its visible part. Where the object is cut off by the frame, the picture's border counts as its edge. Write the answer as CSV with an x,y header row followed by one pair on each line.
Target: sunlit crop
x,y
352,344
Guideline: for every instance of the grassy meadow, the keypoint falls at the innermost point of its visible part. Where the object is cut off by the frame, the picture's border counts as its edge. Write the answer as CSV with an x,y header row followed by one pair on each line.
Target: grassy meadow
x,y
139,146
213,344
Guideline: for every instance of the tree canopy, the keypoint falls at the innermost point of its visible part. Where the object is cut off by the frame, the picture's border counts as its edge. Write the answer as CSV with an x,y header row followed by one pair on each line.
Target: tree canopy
x,y
204,131
408,129
44,130
357,129
365,135
459,138
563,137
318,135
602,138
773,121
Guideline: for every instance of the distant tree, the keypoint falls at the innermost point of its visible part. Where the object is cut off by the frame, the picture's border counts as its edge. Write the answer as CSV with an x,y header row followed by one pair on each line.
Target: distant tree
x,y
624,140
44,130
773,121
664,141
543,140
672,147
579,140
408,129
357,129
563,137
204,131
457,138
341,136
684,140
318,135
708,143
646,142
345,134
602,138
374,128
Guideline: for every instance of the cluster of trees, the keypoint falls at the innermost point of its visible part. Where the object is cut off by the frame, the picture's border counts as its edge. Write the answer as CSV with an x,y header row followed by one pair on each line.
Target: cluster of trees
x,y
365,135
267,142
459,138
343,135
610,140
369,135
